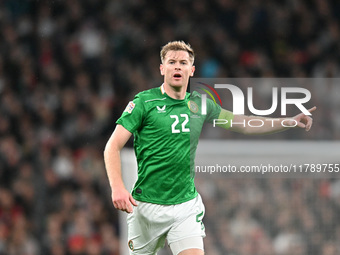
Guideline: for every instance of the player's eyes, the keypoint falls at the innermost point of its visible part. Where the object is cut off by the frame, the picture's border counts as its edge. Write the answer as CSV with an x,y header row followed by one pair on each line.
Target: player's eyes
x,y
182,63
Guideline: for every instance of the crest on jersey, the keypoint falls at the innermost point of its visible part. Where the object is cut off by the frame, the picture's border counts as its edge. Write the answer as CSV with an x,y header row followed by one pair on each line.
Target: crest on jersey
x,y
130,243
130,107
161,109
193,106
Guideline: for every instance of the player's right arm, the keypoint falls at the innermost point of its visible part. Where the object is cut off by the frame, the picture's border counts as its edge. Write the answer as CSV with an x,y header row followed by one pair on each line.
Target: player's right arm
x,y
121,198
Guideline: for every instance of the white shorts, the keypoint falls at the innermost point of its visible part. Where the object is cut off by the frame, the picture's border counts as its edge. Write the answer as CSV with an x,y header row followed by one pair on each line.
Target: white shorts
x,y
150,224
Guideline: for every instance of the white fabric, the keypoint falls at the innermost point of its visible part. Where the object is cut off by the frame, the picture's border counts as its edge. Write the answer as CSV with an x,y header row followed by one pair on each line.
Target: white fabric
x,y
150,224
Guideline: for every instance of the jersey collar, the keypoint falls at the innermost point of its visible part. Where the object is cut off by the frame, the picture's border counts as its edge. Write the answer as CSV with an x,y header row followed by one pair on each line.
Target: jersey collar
x,y
162,89
187,95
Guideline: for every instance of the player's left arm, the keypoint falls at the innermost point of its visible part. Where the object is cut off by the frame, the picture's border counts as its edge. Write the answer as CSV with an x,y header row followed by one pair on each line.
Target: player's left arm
x,y
270,125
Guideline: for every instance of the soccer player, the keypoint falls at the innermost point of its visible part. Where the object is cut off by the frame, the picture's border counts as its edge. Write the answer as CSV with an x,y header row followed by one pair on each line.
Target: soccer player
x,y
164,203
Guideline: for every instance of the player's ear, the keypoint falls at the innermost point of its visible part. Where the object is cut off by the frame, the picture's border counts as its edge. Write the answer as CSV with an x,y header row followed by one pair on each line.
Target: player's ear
x,y
161,68
192,71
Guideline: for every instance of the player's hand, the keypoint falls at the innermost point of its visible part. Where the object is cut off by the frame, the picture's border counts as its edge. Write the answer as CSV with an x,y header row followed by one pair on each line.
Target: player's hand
x,y
123,200
305,121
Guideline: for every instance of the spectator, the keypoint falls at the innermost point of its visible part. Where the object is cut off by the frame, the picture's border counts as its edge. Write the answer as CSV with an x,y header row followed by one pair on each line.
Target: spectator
x,y
67,71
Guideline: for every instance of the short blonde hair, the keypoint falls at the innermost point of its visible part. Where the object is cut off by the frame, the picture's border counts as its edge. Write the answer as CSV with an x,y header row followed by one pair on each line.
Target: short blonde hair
x,y
177,46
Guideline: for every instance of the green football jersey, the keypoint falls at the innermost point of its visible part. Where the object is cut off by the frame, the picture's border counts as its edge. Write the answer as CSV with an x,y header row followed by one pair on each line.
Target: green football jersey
x,y
166,133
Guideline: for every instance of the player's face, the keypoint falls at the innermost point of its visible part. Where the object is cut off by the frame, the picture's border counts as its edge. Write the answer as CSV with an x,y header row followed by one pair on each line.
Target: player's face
x,y
177,68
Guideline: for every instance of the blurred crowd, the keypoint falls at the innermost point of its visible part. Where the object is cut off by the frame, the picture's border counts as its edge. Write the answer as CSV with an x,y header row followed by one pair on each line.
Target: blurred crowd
x,y
67,71
271,216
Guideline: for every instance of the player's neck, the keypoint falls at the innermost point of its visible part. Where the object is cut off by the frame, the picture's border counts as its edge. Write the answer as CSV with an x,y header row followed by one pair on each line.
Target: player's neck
x,y
175,92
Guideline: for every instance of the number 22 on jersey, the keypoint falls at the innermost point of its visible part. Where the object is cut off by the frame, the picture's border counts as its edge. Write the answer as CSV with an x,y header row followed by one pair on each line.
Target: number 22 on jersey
x,y
183,119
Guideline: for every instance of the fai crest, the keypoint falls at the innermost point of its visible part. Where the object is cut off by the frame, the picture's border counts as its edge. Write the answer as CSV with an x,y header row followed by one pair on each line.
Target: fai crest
x,y
193,106
130,243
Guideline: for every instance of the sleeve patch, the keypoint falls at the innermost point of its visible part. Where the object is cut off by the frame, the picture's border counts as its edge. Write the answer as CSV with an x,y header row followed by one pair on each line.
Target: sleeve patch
x,y
130,107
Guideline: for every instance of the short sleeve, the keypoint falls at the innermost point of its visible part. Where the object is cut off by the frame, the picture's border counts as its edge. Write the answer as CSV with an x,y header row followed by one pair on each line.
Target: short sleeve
x,y
132,116
213,111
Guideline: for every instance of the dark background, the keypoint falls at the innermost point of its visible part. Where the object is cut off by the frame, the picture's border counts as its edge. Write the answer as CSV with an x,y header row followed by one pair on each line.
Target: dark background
x,y
67,71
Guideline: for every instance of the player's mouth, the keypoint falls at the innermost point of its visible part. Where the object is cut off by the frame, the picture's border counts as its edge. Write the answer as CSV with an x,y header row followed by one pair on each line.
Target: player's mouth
x,y
177,76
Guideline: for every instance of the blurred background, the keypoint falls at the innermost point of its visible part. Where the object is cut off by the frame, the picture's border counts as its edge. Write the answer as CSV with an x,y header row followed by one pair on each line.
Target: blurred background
x,y
67,71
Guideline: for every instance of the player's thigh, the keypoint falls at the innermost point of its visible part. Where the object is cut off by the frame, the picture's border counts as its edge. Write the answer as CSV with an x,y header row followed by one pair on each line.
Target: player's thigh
x,y
192,252
147,228
188,221
188,246
186,234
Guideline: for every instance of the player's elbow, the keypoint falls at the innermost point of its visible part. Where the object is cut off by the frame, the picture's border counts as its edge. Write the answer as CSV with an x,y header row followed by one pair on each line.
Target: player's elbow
x,y
249,131
243,124
106,152
110,148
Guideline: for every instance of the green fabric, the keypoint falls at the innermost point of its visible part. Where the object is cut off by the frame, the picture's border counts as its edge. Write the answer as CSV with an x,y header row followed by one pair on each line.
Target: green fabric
x,y
164,142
